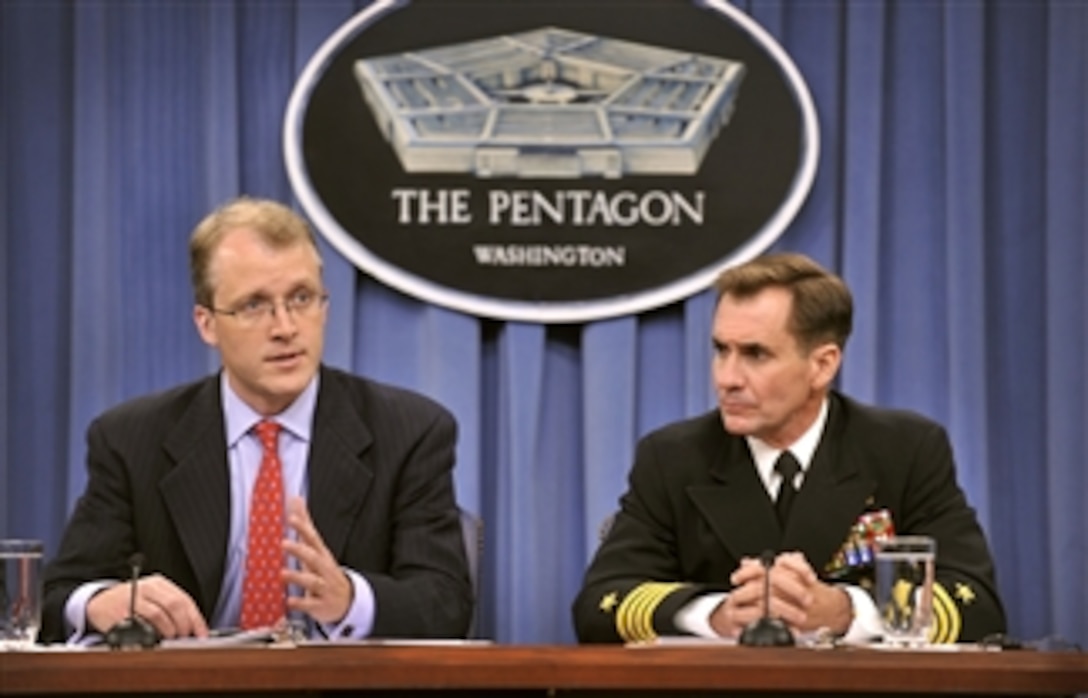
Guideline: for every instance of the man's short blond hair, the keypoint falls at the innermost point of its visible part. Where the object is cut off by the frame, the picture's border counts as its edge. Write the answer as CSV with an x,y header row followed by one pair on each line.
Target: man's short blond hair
x,y
277,225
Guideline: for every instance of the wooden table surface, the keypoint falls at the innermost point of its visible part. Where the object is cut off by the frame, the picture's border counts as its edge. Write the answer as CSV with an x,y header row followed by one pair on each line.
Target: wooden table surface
x,y
542,670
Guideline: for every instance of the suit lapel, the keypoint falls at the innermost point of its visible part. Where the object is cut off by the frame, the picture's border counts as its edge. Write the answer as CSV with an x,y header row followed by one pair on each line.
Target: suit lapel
x,y
197,490
736,506
833,495
339,475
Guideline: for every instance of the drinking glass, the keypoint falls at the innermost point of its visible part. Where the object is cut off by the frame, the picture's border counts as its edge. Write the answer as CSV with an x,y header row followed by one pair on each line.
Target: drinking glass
x,y
20,593
904,588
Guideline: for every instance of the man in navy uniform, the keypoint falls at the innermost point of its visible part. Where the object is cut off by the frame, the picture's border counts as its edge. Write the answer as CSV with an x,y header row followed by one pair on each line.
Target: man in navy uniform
x,y
682,555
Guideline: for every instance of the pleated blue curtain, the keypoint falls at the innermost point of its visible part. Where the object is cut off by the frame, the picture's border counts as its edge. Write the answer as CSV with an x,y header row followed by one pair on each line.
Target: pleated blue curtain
x,y
950,195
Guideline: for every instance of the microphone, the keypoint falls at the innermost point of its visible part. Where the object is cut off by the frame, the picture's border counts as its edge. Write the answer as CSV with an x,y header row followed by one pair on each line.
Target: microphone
x,y
133,633
767,631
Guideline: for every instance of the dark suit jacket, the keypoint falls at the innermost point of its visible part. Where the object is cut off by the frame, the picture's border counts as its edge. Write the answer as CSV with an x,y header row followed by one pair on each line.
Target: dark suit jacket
x,y
380,493
695,506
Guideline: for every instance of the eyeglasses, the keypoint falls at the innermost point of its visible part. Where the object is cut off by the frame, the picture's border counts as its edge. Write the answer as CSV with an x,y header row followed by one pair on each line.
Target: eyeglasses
x,y
302,304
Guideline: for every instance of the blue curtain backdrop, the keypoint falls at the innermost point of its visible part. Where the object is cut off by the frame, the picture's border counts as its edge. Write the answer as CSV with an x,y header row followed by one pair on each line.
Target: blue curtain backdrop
x,y
951,196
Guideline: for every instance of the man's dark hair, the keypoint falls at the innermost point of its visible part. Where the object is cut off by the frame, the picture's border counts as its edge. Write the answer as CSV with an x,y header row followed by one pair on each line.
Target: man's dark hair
x,y
822,310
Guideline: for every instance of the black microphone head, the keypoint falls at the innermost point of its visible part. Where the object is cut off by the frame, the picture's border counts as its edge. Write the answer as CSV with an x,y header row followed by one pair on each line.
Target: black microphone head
x,y
767,559
136,561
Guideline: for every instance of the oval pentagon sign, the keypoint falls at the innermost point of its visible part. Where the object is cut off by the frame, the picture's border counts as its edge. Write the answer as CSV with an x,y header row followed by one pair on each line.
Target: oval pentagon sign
x,y
550,162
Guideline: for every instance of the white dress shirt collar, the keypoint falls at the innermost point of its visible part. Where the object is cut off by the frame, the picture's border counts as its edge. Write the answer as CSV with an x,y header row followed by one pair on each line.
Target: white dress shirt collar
x,y
803,450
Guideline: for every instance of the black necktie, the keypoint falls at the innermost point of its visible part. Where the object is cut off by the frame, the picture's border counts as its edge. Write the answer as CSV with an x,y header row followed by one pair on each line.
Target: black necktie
x,y
788,467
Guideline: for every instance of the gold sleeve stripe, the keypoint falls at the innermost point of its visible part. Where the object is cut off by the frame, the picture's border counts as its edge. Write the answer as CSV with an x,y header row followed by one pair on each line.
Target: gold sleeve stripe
x,y
634,619
631,618
641,616
939,632
946,616
635,616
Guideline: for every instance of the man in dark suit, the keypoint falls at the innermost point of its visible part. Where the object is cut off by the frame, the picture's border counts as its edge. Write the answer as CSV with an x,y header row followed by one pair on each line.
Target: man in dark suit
x,y
367,535
681,556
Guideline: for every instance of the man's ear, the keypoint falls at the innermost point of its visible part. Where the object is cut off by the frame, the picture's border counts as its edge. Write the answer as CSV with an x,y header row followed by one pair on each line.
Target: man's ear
x,y
204,320
826,360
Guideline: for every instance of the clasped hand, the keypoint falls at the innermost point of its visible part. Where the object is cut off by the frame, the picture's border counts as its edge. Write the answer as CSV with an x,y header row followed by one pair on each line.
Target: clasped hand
x,y
797,597
327,591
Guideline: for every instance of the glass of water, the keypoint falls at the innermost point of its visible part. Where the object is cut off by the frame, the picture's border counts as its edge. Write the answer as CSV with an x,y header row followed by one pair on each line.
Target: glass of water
x,y
904,588
20,593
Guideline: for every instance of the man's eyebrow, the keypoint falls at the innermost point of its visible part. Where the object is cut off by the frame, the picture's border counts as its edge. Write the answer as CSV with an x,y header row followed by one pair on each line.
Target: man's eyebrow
x,y
252,296
749,347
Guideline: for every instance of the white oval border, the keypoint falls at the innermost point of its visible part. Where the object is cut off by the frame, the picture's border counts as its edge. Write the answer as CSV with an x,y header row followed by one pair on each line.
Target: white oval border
x,y
545,312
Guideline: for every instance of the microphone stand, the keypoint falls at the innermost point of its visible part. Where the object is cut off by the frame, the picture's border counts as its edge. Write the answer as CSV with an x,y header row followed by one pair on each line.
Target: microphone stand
x,y
767,631
133,633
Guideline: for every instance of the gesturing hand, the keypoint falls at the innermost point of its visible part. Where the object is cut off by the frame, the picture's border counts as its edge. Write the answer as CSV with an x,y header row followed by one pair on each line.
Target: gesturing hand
x,y
327,591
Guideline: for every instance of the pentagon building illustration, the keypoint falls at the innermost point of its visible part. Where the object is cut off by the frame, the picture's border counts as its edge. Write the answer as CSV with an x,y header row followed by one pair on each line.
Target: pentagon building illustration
x,y
550,103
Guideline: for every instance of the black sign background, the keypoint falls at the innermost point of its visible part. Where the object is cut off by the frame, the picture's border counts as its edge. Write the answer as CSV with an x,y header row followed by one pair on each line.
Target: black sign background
x,y
747,174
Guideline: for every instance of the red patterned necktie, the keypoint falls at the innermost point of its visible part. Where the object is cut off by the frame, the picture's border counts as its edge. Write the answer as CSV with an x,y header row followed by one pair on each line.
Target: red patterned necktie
x,y
263,592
